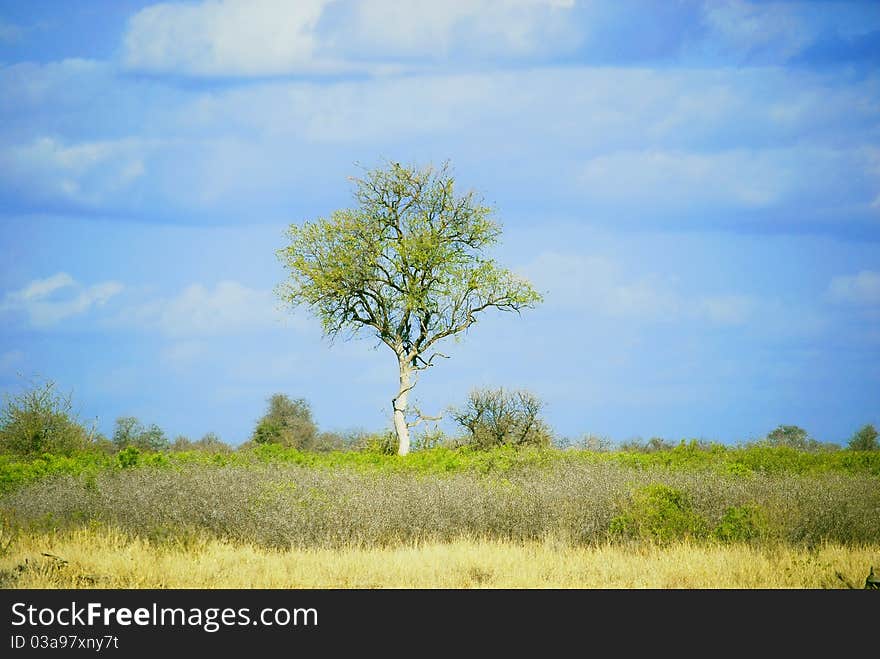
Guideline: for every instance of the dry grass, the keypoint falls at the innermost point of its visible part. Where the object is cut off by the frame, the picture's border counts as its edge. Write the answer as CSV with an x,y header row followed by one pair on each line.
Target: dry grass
x,y
112,559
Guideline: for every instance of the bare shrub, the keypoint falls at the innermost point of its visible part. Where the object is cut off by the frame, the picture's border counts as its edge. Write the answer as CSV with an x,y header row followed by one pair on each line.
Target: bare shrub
x,y
495,417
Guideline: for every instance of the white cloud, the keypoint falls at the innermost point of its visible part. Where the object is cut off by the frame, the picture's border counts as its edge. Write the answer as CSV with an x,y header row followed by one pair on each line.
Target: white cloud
x,y
752,179
83,172
276,37
600,286
427,28
224,37
860,289
227,308
747,27
49,301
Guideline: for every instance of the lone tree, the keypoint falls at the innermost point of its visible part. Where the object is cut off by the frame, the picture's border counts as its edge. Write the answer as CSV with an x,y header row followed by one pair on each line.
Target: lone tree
x,y
408,265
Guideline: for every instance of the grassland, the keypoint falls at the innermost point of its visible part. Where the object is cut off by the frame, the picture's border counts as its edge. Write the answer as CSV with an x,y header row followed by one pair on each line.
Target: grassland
x,y
110,559
693,516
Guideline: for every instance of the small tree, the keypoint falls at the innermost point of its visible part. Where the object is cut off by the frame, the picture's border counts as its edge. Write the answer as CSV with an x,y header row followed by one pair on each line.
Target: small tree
x,y
865,439
287,422
38,420
495,417
212,443
129,431
793,437
408,265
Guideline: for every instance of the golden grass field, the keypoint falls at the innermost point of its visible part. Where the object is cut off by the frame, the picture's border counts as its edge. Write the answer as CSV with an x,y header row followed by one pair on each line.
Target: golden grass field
x,y
109,559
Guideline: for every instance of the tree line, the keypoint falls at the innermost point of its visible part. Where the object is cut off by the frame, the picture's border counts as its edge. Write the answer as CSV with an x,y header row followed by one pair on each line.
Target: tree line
x,y
40,419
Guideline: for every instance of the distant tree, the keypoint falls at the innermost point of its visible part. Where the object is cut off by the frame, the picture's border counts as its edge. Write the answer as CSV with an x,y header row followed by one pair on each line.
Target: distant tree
x,y
408,265
129,431
126,431
495,417
181,443
287,422
327,441
40,420
793,437
865,439
212,443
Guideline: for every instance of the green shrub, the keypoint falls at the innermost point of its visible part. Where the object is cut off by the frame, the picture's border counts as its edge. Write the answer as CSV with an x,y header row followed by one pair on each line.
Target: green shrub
x,y
128,457
40,420
129,431
741,523
660,513
865,439
382,443
287,422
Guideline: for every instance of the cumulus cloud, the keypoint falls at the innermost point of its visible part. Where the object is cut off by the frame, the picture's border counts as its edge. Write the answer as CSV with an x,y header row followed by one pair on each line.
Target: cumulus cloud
x,y
862,289
198,310
48,301
426,28
276,37
224,37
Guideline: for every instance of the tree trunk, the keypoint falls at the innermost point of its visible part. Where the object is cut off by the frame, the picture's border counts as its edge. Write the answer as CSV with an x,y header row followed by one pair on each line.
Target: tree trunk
x,y
399,404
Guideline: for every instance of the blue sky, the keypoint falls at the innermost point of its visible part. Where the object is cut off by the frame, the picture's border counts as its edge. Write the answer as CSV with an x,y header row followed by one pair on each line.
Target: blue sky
x,y
695,187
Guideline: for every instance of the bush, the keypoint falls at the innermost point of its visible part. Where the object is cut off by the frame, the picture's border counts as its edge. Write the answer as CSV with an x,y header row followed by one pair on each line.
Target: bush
x,y
287,422
39,420
865,439
741,523
128,457
211,443
660,513
495,417
653,445
383,443
129,431
793,437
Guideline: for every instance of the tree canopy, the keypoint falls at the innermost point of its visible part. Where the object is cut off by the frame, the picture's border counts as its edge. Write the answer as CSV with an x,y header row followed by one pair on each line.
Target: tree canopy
x,y
409,264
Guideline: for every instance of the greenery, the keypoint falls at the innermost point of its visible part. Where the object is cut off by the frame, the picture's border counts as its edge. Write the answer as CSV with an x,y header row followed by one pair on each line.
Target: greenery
x,y
287,423
40,419
495,417
865,439
261,499
409,265
129,431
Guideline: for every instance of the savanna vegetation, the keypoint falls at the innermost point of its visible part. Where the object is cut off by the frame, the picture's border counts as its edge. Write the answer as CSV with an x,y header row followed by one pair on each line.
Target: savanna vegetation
x,y
498,500
514,505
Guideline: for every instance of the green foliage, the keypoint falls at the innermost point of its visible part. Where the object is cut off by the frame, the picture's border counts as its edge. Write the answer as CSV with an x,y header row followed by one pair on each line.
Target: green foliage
x,y
495,417
792,437
287,422
409,265
128,457
129,431
660,513
383,443
17,471
407,262
651,446
39,420
865,439
741,523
